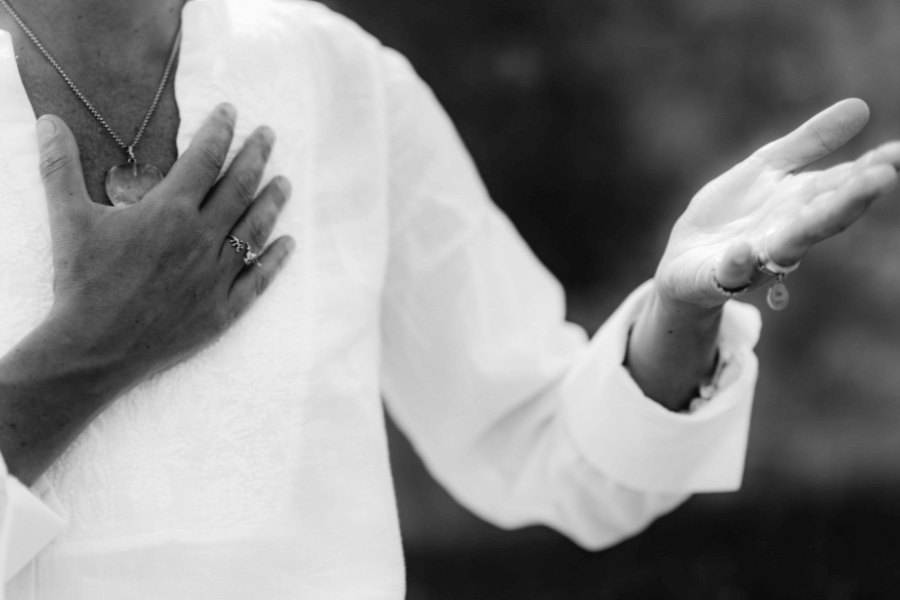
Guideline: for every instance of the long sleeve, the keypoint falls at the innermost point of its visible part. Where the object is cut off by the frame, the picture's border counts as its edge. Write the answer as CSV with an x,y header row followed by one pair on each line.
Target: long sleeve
x,y
522,417
27,524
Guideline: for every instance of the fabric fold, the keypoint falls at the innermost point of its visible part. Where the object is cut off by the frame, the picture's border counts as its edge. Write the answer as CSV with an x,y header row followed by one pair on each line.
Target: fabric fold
x,y
29,524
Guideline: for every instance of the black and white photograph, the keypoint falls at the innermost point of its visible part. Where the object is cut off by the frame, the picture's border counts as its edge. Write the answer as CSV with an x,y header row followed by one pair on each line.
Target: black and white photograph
x,y
449,300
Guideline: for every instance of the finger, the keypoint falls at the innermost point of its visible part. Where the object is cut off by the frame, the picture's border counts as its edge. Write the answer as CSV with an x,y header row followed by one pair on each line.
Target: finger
x,y
818,137
231,196
830,214
251,283
60,166
886,154
737,267
833,178
195,172
257,224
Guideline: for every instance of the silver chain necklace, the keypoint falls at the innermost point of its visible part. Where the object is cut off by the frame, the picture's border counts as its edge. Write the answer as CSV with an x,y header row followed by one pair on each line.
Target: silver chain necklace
x,y
126,183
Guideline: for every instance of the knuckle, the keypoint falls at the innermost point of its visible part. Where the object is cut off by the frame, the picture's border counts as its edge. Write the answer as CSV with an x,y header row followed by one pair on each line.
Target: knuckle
x,y
210,157
827,144
206,238
258,231
54,160
245,184
179,223
262,282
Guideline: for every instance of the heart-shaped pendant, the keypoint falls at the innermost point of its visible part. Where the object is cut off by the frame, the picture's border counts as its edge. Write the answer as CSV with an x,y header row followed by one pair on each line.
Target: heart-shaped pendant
x,y
127,183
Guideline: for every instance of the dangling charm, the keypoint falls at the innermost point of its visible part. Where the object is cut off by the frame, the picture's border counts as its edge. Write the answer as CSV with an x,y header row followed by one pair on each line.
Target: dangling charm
x,y
778,296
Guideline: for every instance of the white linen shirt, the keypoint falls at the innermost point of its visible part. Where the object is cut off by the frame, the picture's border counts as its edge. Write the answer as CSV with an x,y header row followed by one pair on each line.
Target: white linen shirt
x,y
259,467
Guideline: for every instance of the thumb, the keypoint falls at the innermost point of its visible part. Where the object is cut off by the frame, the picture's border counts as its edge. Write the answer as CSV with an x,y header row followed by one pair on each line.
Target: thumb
x,y
737,267
60,165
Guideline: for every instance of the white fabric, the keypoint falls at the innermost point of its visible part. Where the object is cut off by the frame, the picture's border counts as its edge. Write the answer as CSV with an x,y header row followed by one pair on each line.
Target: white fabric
x,y
27,525
259,468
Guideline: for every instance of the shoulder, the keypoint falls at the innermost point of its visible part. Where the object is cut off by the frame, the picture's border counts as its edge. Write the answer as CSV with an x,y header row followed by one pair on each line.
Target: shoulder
x,y
304,34
319,16
291,24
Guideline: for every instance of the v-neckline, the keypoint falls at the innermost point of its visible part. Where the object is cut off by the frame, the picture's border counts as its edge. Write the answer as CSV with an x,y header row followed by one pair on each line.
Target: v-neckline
x,y
17,119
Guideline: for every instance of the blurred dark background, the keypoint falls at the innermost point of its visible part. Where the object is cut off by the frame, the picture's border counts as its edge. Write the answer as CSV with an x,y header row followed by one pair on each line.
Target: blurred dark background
x,y
593,123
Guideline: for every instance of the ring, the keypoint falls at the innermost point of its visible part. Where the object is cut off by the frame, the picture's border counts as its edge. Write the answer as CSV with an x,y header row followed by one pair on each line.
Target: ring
x,y
250,258
729,292
770,267
239,245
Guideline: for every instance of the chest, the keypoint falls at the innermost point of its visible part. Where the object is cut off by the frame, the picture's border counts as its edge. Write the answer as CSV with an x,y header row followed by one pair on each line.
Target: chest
x,y
122,98
329,144
284,409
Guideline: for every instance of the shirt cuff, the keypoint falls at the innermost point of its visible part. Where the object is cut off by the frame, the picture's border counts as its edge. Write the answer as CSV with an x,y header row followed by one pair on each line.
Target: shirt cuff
x,y
28,525
642,445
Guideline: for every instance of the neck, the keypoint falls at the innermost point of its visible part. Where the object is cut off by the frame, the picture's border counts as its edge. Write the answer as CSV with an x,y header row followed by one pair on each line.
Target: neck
x,y
123,30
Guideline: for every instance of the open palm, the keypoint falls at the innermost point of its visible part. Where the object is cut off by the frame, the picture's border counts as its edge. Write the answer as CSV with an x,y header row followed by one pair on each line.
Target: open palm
x,y
769,206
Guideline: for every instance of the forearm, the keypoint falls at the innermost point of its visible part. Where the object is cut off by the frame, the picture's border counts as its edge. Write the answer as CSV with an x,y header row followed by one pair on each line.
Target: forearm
x,y
52,384
672,349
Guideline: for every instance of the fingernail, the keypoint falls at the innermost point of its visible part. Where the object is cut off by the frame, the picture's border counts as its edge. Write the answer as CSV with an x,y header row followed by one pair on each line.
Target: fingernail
x,y
284,185
745,258
290,245
46,129
230,110
267,134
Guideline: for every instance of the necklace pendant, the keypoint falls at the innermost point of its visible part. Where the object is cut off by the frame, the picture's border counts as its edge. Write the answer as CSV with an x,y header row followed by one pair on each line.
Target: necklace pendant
x,y
127,183
778,296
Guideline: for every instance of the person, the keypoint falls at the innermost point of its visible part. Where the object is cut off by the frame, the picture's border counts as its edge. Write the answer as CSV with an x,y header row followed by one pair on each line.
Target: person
x,y
174,450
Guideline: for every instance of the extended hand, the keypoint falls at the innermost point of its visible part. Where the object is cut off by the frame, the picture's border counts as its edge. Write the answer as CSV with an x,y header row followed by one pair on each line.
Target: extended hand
x,y
770,204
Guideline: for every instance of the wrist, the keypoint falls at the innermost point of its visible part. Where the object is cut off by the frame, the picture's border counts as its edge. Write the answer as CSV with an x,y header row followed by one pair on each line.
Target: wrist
x,y
77,351
665,307
52,383
672,349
